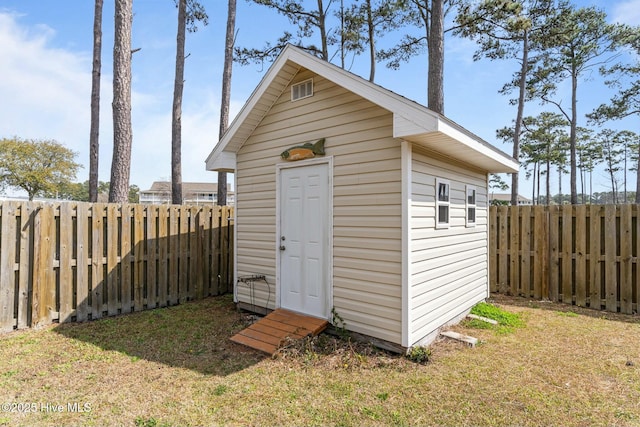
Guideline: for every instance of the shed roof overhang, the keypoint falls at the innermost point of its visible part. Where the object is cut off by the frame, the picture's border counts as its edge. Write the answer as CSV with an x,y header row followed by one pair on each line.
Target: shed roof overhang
x,y
411,121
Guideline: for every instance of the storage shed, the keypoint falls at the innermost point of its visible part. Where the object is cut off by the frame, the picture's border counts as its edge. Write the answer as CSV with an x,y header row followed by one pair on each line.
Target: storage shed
x,y
355,203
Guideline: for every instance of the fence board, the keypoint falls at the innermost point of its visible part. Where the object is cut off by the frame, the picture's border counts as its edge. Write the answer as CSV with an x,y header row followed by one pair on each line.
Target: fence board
x,y
126,259
197,253
82,262
173,238
514,246
27,214
217,252
610,252
153,218
65,272
595,276
44,289
525,252
113,250
137,246
554,252
207,240
7,262
163,253
581,255
183,260
541,262
626,266
567,251
97,270
503,241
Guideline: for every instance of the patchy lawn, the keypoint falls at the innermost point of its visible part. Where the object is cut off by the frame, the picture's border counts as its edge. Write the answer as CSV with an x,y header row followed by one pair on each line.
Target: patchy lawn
x,y
176,366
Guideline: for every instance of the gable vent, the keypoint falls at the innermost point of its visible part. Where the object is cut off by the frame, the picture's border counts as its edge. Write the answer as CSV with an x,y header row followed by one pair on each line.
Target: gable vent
x,y
302,90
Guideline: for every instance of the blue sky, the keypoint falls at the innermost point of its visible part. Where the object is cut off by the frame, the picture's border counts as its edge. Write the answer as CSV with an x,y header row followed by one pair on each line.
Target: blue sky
x,y
45,80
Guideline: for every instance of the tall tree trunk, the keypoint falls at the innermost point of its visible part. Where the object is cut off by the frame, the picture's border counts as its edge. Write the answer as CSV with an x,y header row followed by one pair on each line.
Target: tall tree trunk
x,y
122,132
538,183
176,118
435,45
372,44
94,133
342,38
322,24
548,183
518,127
573,136
226,93
533,187
560,183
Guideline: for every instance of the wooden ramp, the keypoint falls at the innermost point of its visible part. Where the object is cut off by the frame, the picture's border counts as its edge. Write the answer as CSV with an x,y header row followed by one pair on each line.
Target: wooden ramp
x,y
269,333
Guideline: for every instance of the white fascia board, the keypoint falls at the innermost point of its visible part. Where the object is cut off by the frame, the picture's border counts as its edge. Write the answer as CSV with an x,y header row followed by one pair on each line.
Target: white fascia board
x,y
222,162
249,106
484,149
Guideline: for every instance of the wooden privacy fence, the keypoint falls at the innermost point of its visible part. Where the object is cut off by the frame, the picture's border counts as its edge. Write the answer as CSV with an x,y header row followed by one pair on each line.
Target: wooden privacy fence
x,y
587,255
79,261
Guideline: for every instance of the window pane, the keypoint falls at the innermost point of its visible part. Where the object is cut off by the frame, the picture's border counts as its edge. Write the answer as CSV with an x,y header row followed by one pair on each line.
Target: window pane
x,y
443,214
471,215
443,192
471,197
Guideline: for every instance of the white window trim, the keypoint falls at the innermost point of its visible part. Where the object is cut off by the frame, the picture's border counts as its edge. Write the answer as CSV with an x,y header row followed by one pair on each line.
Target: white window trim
x,y
468,205
302,83
440,203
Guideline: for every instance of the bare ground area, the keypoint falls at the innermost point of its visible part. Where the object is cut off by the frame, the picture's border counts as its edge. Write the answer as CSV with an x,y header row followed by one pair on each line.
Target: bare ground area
x,y
176,366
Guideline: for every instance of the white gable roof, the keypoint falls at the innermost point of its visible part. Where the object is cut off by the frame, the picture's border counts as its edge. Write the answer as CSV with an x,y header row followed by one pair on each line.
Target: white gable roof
x,y
411,121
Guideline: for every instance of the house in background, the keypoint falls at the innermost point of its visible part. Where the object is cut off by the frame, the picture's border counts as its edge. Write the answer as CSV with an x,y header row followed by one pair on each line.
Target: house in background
x,y
386,225
505,198
195,193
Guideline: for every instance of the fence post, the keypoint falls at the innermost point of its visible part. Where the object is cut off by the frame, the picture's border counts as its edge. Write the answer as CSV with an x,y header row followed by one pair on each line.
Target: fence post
x,y
7,262
626,243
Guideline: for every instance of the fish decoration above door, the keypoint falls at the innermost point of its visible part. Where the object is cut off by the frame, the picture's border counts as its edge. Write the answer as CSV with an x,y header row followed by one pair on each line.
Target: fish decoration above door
x,y
304,151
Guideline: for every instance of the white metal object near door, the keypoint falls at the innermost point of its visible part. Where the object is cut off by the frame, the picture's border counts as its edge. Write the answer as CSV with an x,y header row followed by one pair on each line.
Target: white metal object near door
x,y
304,239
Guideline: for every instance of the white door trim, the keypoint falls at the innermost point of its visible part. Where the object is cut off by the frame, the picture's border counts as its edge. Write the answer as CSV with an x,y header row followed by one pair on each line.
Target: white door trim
x,y
328,160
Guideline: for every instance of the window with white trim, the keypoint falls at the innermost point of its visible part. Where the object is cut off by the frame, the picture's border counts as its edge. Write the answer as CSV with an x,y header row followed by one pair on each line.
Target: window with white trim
x,y
302,90
471,206
442,203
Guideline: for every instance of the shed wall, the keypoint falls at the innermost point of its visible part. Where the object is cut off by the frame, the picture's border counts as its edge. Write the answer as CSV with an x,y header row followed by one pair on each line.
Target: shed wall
x,y
448,267
367,203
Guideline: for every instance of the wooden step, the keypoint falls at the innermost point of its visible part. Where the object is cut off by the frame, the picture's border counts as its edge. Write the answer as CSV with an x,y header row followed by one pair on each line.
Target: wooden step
x,y
269,333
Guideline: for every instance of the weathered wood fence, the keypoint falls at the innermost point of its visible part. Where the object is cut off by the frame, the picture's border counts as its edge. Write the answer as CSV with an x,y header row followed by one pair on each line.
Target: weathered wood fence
x,y
79,261
587,255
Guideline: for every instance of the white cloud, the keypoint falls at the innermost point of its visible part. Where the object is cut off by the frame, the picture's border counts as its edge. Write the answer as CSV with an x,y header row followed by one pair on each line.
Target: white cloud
x,y
627,12
45,92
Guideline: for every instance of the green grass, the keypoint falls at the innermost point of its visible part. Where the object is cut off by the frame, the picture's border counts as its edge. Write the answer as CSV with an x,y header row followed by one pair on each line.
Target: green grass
x,y
507,322
177,367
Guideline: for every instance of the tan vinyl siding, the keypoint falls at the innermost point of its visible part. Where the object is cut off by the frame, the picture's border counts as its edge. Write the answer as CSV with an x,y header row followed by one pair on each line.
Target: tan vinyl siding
x,y
367,202
448,267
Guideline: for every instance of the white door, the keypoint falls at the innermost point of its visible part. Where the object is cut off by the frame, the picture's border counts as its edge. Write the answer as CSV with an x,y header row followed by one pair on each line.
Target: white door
x,y
304,239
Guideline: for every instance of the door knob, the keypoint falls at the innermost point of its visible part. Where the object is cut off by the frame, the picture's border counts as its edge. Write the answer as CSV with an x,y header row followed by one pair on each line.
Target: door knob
x,y
282,248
